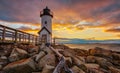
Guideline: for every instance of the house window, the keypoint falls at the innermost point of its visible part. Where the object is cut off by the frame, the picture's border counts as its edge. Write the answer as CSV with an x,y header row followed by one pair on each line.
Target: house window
x,y
45,22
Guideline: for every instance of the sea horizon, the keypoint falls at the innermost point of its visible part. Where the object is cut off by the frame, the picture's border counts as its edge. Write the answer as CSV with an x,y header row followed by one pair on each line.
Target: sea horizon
x,y
87,46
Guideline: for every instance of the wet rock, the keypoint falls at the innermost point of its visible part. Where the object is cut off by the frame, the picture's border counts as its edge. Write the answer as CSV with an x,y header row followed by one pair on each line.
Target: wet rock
x,y
22,66
76,69
17,54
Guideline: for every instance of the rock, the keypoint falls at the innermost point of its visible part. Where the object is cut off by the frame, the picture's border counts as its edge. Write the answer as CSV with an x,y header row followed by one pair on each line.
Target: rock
x,y
76,69
90,59
80,52
103,62
95,71
22,66
81,58
98,50
116,56
69,61
83,67
36,72
4,57
40,55
92,66
48,69
17,54
77,61
114,70
1,67
48,59
3,60
116,63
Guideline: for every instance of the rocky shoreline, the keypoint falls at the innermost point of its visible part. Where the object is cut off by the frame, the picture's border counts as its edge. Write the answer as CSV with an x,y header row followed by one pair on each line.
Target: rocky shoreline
x,y
42,59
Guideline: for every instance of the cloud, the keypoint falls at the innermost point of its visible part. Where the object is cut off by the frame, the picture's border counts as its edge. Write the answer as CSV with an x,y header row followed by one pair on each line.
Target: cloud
x,y
118,35
116,29
71,17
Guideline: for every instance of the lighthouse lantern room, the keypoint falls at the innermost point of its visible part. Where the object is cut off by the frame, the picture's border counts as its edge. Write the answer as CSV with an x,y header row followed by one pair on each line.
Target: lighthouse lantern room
x,y
45,33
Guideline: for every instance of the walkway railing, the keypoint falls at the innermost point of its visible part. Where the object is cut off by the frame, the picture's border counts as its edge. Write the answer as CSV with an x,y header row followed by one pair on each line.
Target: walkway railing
x,y
8,35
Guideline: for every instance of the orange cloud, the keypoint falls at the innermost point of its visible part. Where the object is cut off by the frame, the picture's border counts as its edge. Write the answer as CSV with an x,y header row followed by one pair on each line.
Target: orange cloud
x,y
117,30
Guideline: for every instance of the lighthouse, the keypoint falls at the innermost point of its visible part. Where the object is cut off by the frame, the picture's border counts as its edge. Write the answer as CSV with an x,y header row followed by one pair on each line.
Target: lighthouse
x,y
45,32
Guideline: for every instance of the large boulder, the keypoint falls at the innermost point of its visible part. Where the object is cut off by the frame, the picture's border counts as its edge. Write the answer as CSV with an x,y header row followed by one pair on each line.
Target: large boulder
x,y
76,69
90,59
22,66
3,60
103,62
48,59
48,69
114,70
116,56
99,51
17,54
92,66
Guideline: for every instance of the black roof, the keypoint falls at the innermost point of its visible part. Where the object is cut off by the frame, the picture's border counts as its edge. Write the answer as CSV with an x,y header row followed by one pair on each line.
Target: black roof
x,y
46,11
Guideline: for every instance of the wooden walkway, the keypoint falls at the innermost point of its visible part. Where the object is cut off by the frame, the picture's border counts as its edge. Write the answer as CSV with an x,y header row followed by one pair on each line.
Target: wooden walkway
x,y
10,35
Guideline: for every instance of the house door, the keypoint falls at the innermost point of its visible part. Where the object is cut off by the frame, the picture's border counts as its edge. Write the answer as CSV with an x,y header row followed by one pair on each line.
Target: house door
x,y
44,38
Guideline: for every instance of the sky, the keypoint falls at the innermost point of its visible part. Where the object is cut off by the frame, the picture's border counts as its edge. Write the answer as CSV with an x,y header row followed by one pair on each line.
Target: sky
x,y
72,19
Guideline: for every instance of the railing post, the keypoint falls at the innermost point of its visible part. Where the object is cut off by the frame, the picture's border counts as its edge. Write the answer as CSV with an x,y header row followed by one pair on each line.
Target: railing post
x,y
36,40
12,36
3,34
25,37
28,38
15,36
19,37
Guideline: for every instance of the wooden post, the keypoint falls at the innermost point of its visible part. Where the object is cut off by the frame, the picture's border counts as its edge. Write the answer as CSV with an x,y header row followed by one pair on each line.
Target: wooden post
x,y
12,36
3,34
25,37
32,38
19,37
28,38
15,36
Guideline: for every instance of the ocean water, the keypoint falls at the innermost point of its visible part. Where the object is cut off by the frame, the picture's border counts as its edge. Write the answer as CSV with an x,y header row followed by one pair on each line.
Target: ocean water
x,y
114,47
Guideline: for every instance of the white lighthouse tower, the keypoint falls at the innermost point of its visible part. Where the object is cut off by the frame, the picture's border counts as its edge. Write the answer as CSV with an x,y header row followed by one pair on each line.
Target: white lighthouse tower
x,y
45,33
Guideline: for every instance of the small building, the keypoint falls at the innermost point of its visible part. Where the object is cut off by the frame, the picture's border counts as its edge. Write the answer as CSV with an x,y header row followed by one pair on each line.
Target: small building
x,y
45,34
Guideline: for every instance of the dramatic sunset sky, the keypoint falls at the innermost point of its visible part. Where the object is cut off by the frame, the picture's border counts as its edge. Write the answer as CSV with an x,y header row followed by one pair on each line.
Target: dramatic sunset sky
x,y
73,19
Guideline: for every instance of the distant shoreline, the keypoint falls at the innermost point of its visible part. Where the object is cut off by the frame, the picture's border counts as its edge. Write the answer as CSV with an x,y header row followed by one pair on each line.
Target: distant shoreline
x,y
108,46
